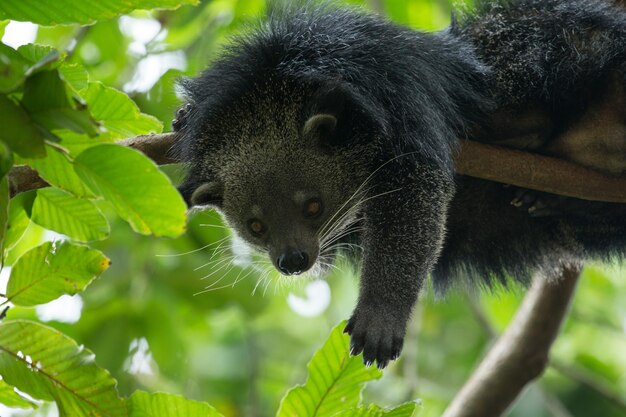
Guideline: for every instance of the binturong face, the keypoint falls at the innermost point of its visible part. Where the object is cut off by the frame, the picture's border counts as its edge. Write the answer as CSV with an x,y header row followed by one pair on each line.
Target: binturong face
x,y
289,210
289,177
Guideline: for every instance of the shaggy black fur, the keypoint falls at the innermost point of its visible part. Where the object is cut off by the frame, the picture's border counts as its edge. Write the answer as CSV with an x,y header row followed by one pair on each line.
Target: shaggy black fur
x,y
556,55
420,89
409,95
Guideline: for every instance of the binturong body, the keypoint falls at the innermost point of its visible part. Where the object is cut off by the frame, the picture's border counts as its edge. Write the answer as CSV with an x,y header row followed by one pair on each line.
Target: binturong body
x,y
328,125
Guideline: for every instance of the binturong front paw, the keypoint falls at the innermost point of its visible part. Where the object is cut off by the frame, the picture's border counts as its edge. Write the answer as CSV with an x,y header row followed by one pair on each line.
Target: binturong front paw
x,y
376,332
181,117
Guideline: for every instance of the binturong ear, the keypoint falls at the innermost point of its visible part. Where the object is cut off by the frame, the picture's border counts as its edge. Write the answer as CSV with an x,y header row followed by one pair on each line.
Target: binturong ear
x,y
320,125
205,194
208,194
337,115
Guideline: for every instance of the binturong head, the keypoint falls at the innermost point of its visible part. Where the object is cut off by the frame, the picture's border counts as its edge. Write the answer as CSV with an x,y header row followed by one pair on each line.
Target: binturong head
x,y
286,166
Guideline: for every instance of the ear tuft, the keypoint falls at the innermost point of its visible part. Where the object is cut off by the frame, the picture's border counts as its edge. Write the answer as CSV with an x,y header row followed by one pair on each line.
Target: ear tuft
x,y
319,125
207,194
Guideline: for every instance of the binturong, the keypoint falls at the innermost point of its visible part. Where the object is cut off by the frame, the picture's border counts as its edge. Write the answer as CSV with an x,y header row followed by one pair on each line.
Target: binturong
x,y
327,125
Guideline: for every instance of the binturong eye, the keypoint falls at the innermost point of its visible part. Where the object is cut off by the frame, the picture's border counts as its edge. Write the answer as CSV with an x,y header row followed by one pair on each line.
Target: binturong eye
x,y
257,228
313,208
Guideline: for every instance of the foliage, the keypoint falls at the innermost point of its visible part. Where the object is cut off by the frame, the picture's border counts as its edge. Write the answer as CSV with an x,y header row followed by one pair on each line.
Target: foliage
x,y
48,271
66,11
48,365
335,381
65,100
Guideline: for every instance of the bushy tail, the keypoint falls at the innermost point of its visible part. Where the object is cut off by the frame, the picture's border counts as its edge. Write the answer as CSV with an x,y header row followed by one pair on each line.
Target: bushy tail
x,y
548,50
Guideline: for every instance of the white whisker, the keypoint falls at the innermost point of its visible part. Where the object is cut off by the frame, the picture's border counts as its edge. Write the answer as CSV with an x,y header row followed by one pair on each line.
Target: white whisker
x,y
165,255
222,263
360,187
218,226
260,280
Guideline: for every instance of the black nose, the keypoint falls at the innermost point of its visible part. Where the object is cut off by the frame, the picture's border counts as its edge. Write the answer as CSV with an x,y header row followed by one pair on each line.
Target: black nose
x,y
292,262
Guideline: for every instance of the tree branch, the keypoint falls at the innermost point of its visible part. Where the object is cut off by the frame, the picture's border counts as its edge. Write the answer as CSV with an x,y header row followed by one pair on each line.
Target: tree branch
x,y
156,147
474,159
577,375
521,353
538,172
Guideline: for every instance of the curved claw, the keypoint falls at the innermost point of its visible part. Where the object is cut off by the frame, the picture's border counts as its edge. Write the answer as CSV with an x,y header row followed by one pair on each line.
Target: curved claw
x,y
379,341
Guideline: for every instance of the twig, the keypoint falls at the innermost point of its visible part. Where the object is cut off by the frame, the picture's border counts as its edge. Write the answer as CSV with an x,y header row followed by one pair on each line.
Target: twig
x,y
474,159
23,178
78,37
521,353
481,318
377,6
253,374
156,147
584,378
553,404
410,370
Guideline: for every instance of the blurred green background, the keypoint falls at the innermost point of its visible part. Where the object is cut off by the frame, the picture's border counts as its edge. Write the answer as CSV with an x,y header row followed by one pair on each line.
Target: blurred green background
x,y
241,347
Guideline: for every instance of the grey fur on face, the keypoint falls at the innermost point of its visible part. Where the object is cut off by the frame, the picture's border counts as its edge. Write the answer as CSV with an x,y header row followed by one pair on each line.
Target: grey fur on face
x,y
253,187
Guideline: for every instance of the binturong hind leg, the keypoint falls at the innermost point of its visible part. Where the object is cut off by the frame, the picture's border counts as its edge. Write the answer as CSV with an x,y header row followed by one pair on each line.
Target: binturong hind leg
x,y
540,204
597,140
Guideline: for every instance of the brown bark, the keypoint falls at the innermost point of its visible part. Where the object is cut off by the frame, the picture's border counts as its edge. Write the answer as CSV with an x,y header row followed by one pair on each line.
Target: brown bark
x,y
155,147
538,172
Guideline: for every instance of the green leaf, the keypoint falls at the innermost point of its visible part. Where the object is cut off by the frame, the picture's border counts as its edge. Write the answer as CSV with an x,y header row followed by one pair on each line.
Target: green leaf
x,y
57,12
335,381
58,169
143,404
52,269
19,212
6,159
16,66
140,193
79,219
36,53
76,143
48,365
43,91
404,410
6,162
10,398
48,100
4,213
76,76
13,67
41,58
18,131
119,115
